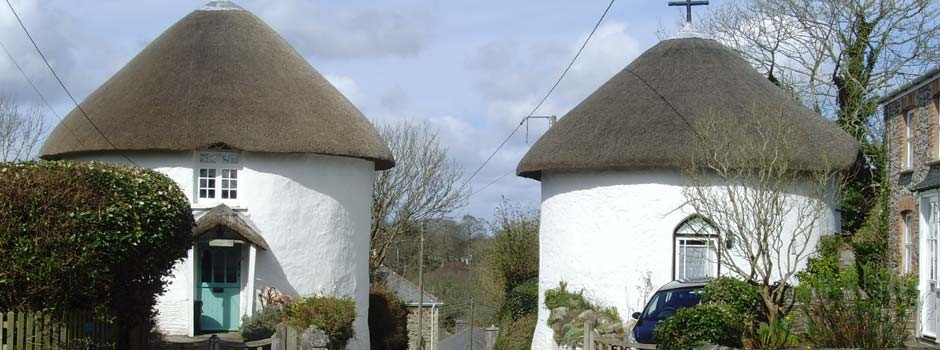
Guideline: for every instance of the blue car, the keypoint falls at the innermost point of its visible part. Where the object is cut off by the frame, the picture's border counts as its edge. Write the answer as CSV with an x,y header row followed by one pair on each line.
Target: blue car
x,y
667,300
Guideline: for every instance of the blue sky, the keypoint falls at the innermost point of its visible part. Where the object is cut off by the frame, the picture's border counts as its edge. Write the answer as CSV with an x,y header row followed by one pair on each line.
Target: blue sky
x,y
470,69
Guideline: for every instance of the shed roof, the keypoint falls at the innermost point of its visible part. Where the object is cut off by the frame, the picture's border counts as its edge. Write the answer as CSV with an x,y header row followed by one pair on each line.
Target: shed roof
x,y
219,76
643,117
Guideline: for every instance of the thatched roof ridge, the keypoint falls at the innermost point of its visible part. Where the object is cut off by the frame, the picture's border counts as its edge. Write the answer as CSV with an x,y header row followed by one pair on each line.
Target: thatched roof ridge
x,y
628,124
223,216
219,76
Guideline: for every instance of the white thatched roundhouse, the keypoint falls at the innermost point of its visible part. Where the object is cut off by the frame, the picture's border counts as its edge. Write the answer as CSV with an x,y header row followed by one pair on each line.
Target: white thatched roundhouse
x,y
614,219
278,165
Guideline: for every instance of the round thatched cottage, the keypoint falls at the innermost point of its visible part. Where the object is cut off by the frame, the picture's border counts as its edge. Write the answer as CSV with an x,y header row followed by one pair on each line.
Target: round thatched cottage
x,y
277,163
614,217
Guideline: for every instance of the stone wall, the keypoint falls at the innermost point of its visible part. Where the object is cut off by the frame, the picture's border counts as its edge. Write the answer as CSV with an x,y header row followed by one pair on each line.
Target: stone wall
x,y
430,330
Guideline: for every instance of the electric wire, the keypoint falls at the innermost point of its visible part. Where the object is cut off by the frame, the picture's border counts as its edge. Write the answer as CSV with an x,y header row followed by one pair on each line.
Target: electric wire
x,y
38,92
542,101
62,84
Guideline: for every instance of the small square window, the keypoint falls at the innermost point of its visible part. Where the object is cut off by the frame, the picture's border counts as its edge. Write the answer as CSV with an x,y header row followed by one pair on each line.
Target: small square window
x,y
216,176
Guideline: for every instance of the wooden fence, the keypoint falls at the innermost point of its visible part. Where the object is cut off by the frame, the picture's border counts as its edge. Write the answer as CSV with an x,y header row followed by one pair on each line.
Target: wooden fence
x,y
20,330
592,342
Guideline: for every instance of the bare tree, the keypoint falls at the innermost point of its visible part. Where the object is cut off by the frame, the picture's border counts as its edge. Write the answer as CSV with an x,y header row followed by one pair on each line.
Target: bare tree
x,y
421,187
21,129
768,208
837,56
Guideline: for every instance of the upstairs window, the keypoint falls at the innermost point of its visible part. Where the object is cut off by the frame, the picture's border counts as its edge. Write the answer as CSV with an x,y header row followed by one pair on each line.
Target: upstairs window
x,y
217,175
696,255
909,139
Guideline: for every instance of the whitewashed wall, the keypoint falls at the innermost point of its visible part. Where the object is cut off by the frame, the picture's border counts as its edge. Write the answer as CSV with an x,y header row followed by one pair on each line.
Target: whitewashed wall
x,y
314,212
604,231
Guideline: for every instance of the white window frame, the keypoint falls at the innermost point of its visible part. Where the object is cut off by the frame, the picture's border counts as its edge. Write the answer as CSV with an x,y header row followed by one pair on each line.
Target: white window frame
x,y
933,244
908,240
909,139
222,163
685,234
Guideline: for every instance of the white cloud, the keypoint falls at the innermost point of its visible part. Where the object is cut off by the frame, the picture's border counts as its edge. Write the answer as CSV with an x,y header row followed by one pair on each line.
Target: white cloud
x,y
330,33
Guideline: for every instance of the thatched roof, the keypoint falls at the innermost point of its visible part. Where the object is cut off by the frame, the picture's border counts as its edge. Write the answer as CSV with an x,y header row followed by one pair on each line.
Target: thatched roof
x,y
628,124
219,76
223,222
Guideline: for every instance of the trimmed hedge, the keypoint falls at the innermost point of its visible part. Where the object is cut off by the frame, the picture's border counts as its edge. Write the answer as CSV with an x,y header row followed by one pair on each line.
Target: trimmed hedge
x,y
741,297
87,235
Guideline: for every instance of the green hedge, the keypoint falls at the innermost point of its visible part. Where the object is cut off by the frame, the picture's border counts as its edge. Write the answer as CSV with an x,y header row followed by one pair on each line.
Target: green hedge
x,y
524,299
388,320
89,235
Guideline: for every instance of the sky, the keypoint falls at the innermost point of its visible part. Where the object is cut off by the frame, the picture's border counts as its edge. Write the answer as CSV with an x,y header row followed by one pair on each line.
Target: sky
x,y
469,69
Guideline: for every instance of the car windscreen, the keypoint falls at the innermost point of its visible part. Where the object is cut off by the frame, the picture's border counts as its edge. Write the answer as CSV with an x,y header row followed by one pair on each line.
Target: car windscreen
x,y
665,303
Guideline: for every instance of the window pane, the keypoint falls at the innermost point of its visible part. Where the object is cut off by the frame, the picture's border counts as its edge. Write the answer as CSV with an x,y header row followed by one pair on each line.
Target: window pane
x,y
230,159
234,174
233,195
232,267
211,172
218,271
211,183
206,266
211,194
224,184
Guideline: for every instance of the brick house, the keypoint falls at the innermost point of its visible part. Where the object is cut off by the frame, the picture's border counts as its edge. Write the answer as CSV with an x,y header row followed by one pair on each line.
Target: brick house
x,y
912,120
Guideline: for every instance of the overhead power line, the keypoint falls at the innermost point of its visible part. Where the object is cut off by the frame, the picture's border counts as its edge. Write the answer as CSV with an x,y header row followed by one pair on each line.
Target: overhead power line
x,y
36,89
542,101
62,84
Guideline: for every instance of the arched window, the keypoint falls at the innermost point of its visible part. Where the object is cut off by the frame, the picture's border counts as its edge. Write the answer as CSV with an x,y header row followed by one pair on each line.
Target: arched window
x,y
696,250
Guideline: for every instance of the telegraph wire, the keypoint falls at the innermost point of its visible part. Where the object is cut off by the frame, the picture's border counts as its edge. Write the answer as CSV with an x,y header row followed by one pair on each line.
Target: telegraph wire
x,y
39,93
542,101
62,84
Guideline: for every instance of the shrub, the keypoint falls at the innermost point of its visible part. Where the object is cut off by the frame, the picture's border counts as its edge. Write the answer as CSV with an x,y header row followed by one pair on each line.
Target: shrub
x,y
75,235
773,335
516,334
524,299
696,326
261,324
561,297
741,297
865,307
388,320
513,254
334,316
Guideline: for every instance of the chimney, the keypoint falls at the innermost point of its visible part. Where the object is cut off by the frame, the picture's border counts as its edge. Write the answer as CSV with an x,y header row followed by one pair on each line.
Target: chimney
x,y
460,326
491,333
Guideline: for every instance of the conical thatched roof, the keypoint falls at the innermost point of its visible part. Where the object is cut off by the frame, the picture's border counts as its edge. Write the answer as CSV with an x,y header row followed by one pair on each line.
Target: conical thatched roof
x,y
628,124
219,76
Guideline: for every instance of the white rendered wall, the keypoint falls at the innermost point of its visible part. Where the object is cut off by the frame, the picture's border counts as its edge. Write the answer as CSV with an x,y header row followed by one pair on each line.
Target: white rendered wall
x,y
604,231
313,210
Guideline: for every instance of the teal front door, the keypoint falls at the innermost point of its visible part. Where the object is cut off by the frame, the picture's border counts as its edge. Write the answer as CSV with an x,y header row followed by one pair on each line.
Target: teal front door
x,y
219,283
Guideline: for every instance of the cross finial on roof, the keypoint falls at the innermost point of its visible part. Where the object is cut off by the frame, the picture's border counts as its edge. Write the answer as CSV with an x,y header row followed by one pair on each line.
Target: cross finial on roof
x,y
688,7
